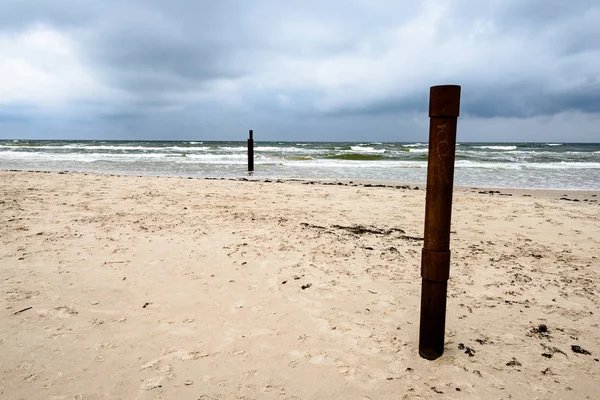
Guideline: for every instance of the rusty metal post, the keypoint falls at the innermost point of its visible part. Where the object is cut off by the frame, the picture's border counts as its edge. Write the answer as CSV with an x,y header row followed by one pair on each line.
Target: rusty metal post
x,y
250,153
444,105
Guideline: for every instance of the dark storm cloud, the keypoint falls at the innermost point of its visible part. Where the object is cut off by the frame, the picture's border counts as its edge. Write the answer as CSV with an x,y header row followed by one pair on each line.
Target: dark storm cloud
x,y
570,27
525,100
18,14
520,99
171,49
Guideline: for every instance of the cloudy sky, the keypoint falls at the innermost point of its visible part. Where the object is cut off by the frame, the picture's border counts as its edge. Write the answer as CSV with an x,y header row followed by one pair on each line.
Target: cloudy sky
x,y
297,70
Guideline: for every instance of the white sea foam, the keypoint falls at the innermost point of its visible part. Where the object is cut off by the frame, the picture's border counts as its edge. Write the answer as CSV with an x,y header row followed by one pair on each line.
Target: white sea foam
x,y
418,150
28,147
414,145
238,148
527,165
354,164
203,148
218,156
279,149
366,149
496,147
486,165
563,165
118,157
553,144
264,148
86,147
74,146
522,152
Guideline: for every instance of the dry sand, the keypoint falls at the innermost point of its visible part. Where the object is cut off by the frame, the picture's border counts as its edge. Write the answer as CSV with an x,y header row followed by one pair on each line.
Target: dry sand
x,y
169,288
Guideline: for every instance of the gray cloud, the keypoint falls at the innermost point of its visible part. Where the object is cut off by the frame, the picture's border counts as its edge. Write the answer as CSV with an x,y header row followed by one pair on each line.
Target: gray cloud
x,y
300,65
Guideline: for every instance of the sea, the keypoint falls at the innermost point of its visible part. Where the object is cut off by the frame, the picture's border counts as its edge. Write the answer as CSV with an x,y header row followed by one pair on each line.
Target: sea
x,y
498,165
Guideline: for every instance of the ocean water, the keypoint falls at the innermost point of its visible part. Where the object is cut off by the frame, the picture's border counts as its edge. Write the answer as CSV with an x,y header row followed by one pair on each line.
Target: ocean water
x,y
516,165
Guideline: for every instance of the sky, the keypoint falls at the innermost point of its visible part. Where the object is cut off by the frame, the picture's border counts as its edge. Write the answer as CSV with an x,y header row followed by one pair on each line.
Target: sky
x,y
351,70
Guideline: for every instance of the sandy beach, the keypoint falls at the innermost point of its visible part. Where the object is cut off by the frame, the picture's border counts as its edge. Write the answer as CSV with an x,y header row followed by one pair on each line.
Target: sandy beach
x,y
126,287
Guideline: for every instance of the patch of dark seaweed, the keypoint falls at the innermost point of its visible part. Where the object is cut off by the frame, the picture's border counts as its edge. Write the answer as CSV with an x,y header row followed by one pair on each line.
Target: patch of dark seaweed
x,y
363,230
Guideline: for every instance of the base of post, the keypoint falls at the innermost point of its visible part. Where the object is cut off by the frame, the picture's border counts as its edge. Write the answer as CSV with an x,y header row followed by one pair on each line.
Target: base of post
x,y
433,318
430,354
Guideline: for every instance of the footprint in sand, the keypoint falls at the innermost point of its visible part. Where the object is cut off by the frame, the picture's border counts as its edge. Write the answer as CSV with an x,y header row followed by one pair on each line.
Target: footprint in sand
x,y
59,312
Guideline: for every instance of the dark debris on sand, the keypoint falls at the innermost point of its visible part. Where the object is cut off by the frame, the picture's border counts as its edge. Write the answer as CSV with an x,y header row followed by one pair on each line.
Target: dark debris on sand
x,y
467,349
579,350
541,331
363,230
547,371
550,351
351,183
513,363
436,390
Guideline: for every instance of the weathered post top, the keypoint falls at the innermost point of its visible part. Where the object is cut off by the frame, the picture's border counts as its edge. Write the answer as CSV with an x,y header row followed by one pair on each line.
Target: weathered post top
x,y
250,134
444,101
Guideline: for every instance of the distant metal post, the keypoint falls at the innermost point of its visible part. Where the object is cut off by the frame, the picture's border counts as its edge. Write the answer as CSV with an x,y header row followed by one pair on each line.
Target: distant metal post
x,y
444,106
250,153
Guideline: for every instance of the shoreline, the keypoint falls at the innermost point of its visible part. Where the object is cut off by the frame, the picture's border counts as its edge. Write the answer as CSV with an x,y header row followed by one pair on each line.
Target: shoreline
x,y
491,166
577,195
